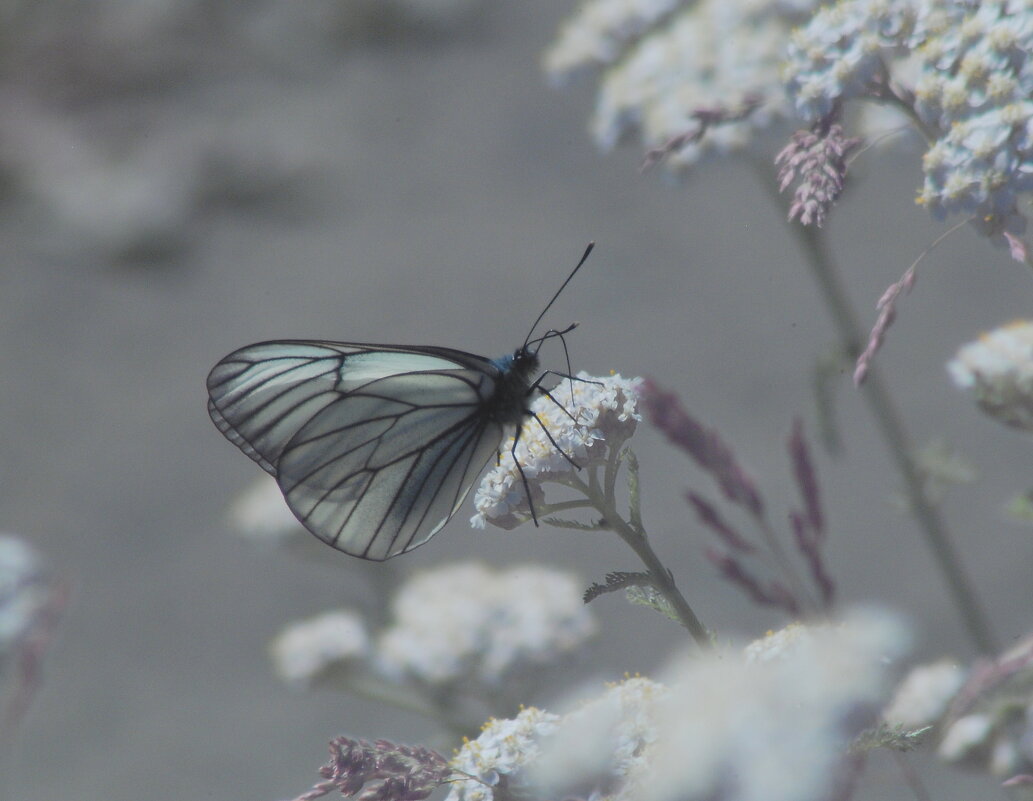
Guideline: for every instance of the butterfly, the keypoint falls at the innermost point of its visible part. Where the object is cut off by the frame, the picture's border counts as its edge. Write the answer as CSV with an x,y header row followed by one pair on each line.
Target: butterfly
x,y
375,447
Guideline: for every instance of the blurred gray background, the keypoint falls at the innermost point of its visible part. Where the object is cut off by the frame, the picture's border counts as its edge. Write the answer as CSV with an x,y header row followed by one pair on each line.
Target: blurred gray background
x,y
178,179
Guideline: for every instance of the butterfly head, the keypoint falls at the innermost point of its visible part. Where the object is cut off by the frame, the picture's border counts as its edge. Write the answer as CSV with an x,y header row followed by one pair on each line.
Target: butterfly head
x,y
520,367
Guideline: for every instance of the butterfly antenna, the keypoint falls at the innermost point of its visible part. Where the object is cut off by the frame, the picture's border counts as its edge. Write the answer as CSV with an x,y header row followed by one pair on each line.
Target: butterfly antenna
x,y
548,305
566,355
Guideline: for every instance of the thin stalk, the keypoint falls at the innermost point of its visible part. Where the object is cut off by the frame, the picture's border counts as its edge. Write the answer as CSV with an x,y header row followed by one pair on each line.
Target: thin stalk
x,y
911,777
785,564
895,436
661,577
375,689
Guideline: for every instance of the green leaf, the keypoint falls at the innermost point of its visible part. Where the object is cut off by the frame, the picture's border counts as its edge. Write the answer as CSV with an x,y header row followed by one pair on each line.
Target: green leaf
x,y
648,596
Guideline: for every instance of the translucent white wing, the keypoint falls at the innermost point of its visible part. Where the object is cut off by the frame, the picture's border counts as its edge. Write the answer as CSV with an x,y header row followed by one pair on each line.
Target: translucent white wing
x,y
374,447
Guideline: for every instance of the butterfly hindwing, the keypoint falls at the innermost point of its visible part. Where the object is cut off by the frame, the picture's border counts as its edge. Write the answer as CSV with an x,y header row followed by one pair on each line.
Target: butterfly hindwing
x,y
374,447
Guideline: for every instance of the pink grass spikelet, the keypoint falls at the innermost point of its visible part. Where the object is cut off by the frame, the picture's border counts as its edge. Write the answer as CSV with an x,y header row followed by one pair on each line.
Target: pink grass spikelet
x,y
1017,247
806,480
732,570
705,119
704,445
809,547
711,518
887,307
380,771
817,159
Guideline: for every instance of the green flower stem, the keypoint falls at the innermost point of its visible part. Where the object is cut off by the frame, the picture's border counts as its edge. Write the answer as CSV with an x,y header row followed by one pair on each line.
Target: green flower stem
x,y
937,536
636,537
885,94
544,509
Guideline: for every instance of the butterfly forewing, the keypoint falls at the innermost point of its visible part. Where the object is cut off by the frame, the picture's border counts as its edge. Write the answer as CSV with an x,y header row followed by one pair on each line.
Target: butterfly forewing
x,y
374,447
260,395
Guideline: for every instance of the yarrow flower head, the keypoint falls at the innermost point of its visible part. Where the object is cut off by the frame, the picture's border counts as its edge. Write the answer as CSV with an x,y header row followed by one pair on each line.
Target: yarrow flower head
x,y
260,515
971,96
779,725
310,649
689,78
744,717
604,740
924,695
462,641
841,53
997,369
584,421
467,622
777,645
496,759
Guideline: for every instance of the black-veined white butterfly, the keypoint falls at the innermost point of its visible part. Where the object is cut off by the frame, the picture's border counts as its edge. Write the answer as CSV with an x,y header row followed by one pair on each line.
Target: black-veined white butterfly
x,y
374,447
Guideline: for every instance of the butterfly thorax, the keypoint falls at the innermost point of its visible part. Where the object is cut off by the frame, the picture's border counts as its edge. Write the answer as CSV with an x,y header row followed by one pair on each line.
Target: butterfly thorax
x,y
517,372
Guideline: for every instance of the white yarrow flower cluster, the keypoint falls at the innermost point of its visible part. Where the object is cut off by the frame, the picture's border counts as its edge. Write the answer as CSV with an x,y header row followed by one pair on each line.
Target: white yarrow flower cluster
x,y
967,738
997,369
467,622
842,50
780,726
601,31
777,644
309,650
976,89
499,754
459,629
972,95
605,740
922,698
582,421
666,63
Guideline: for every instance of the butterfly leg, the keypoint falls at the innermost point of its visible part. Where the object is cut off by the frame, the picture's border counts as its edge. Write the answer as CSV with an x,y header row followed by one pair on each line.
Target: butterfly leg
x,y
520,469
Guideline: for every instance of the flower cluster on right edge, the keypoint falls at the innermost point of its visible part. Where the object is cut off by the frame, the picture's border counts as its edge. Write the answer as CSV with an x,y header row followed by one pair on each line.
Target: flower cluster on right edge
x,y
962,72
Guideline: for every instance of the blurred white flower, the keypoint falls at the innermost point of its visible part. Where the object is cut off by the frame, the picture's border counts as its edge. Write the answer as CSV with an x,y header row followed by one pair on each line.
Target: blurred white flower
x,y
997,369
497,756
600,31
670,66
965,736
261,514
777,644
605,740
922,698
24,592
780,724
307,651
468,622
583,420
990,719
